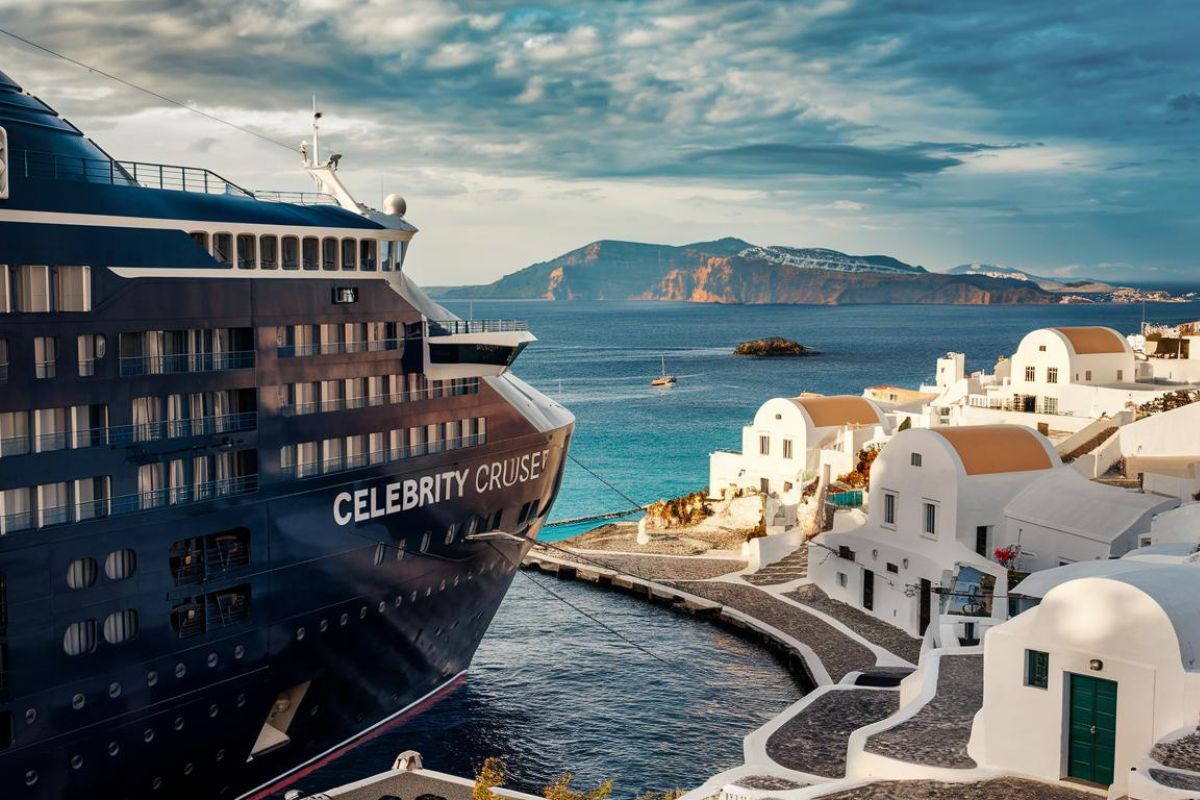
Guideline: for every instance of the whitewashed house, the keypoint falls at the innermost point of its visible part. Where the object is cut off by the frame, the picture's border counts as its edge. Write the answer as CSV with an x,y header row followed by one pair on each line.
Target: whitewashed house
x,y
936,508
1081,686
1063,517
792,438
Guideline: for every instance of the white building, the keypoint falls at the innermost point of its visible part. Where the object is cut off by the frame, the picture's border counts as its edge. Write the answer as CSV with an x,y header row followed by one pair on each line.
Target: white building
x,y
1083,685
792,438
936,507
1063,517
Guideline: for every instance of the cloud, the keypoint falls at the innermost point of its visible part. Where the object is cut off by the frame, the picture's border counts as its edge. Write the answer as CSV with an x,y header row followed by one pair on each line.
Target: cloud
x,y
1189,101
847,205
766,160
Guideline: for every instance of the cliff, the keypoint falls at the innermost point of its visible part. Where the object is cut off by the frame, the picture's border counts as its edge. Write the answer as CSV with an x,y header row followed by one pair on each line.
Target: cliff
x,y
734,271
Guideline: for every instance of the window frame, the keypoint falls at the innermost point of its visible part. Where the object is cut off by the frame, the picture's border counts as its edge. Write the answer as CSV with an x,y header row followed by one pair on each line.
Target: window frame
x,y
929,515
1037,669
263,262
891,504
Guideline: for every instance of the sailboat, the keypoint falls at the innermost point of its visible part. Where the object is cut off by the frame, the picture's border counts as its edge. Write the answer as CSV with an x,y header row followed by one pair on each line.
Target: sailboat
x,y
664,379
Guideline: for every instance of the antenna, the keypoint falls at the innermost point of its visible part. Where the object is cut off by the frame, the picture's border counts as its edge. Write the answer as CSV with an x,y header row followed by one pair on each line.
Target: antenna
x,y
316,156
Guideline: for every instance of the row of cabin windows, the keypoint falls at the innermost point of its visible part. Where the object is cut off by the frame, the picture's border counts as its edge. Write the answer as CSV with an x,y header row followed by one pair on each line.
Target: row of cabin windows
x,y
194,414
53,503
119,565
193,616
929,513
40,289
52,429
183,480
89,347
473,525
336,337
331,254
350,452
334,395
211,557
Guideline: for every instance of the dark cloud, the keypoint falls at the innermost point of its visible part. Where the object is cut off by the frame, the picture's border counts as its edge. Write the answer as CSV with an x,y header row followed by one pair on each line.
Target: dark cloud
x,y
767,160
1190,101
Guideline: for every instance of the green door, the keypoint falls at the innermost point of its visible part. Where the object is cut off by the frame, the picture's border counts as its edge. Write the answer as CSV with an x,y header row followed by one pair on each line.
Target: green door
x,y
1092,742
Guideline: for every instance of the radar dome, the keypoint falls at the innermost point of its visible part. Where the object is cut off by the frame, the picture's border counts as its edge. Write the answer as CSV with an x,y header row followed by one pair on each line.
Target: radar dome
x,y
394,204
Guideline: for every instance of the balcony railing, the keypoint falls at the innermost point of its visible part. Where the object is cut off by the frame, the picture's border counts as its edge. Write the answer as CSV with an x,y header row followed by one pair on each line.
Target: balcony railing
x,y
3,373
186,362
310,469
453,327
329,348
128,434
125,504
343,403
59,167
296,198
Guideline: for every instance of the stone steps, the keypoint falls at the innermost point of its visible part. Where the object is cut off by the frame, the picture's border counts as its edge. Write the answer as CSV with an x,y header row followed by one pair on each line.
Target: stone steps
x,y
789,568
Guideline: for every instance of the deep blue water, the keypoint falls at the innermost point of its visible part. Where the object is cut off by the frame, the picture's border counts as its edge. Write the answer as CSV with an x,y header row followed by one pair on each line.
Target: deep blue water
x,y
550,691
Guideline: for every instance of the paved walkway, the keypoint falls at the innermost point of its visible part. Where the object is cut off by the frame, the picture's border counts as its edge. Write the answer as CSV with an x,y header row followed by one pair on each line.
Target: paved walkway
x,y
874,630
791,567
838,652
938,733
768,783
814,740
997,789
690,568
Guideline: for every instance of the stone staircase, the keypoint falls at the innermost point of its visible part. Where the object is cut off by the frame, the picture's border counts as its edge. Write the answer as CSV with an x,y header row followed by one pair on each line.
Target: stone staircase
x,y
789,568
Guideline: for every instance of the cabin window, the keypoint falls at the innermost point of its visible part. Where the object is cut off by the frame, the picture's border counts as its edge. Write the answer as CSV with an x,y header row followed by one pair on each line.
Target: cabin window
x,y
329,254
45,356
33,289
120,564
1051,374
349,254
5,303
80,638
73,288
246,251
81,573
889,508
91,348
3,360
291,252
223,248
310,252
930,515
387,255
1030,374
1037,669
268,252
121,626
367,254
201,239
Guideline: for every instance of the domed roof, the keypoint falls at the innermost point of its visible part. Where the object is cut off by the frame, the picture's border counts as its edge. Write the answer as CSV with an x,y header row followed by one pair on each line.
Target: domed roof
x,y
995,449
1089,340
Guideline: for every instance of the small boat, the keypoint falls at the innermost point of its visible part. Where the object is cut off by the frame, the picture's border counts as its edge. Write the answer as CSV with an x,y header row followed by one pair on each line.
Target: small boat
x,y
664,379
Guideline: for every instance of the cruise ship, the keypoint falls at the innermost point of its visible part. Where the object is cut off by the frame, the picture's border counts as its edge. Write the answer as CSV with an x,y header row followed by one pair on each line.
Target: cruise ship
x,y
259,495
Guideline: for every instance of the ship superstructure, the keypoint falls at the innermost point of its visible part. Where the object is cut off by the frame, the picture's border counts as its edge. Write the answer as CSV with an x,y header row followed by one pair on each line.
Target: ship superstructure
x,y
258,494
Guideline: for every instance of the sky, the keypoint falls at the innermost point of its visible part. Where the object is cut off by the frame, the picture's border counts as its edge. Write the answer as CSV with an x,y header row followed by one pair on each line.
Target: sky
x,y
1056,137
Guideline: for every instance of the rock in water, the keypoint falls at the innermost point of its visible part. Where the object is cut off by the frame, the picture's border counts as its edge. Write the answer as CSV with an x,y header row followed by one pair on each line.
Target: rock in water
x,y
772,346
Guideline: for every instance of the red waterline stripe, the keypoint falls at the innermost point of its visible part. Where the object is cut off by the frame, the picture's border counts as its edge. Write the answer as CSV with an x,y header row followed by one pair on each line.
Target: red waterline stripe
x,y
403,717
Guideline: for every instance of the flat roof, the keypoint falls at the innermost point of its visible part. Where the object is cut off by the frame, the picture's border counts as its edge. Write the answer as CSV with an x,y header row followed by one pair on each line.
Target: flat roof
x,y
995,449
844,409
1093,339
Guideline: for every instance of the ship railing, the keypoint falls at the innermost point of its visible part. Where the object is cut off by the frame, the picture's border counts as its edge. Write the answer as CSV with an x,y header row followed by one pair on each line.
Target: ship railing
x,y
128,434
308,469
124,504
3,373
45,369
363,401
334,348
186,362
296,198
454,327
61,167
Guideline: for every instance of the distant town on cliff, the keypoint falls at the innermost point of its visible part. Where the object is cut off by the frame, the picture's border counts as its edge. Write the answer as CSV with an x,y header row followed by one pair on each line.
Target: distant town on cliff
x,y
731,270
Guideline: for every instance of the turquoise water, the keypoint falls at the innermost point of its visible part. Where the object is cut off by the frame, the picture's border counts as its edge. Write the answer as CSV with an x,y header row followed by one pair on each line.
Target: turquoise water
x,y
597,358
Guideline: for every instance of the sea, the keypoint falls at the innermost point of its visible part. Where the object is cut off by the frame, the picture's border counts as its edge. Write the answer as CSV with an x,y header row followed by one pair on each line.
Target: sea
x,y
662,701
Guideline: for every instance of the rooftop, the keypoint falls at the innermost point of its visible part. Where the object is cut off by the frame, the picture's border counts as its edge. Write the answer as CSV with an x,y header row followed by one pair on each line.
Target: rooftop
x,y
996,449
837,410
1094,339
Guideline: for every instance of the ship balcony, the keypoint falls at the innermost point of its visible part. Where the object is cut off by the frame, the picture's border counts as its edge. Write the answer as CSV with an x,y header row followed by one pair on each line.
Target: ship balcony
x,y
460,348
186,362
338,348
127,434
347,463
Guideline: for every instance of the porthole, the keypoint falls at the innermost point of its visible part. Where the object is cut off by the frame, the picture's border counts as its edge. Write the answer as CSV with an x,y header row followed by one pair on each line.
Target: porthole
x,y
299,634
30,716
312,712
450,532
241,700
382,606
156,784
148,735
398,601
80,638
239,652
31,777
413,598
425,542
344,619
213,710
380,554
121,626
78,701
120,564
152,678
179,723
428,591
362,613
81,573
212,660
220,755
187,768
180,670
114,690
324,625
456,579
76,761
442,586
113,748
